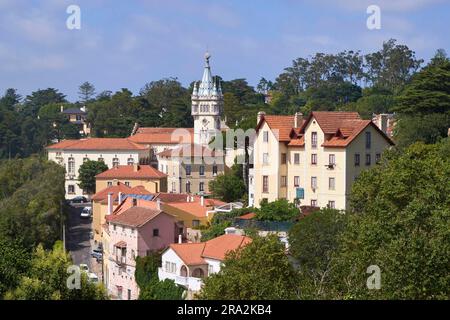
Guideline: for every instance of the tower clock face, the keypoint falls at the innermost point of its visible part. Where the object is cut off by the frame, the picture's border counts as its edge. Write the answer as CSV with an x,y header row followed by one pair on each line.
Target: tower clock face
x,y
205,122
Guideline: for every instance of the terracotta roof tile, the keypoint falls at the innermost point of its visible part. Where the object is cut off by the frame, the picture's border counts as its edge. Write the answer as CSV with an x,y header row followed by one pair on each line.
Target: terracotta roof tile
x,y
102,195
163,135
330,121
134,216
121,244
217,248
98,144
131,172
280,125
247,216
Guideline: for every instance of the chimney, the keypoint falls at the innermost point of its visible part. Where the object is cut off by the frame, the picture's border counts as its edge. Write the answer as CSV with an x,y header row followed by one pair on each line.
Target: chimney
x,y
180,238
187,198
62,108
135,167
110,203
120,197
202,201
260,115
134,202
298,118
192,198
158,204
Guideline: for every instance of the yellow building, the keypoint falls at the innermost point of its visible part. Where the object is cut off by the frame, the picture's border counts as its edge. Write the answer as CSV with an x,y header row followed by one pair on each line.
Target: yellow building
x,y
313,161
132,176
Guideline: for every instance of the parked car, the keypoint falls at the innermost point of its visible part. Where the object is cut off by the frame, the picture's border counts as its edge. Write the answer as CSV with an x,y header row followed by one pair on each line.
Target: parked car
x,y
79,199
97,255
92,277
84,267
86,212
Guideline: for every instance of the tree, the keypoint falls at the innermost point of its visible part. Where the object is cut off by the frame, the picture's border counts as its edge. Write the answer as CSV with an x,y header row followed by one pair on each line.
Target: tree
x,y
86,91
313,241
229,186
151,288
14,263
278,210
48,276
259,271
40,98
87,172
400,222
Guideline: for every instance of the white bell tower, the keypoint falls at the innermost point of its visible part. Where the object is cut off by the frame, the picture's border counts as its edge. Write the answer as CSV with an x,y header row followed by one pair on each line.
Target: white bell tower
x,y
207,106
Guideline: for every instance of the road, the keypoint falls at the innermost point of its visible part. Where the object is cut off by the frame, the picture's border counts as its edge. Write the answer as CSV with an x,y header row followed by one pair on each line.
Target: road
x,y
78,241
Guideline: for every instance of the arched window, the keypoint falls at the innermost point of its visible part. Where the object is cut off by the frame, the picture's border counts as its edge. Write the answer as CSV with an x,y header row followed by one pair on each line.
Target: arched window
x,y
198,273
183,271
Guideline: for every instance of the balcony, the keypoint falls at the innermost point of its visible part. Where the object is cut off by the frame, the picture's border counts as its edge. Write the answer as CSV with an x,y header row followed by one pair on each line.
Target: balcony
x,y
120,260
191,283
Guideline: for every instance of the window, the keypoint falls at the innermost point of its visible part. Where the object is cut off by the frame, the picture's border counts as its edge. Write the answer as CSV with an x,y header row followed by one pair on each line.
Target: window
x,y
201,186
331,159
188,187
71,165
283,158
296,158
314,158
332,204
70,189
266,136
265,184
313,183
115,162
85,159
173,186
188,169
313,139
210,269
173,267
156,232
129,294
313,203
377,157
368,140
195,223
202,170
296,181
127,183
368,159
130,161
357,159
265,158
283,181
331,183
114,228
109,183
214,169
101,159
167,266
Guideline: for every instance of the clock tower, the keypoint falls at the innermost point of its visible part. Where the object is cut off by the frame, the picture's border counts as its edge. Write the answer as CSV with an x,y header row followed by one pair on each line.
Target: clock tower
x,y
207,106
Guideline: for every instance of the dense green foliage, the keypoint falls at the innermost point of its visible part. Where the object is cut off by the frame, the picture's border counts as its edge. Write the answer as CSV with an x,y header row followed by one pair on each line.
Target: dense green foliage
x,y
46,279
87,172
400,221
259,271
151,288
32,192
313,241
278,210
228,186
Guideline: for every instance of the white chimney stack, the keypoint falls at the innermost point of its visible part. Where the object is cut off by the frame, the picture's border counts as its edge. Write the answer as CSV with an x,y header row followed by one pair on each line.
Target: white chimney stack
x,y
158,204
180,238
192,198
187,198
298,119
202,201
62,108
260,115
120,197
110,203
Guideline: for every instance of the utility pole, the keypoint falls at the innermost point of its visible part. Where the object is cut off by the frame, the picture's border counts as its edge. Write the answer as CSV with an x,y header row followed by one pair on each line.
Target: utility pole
x,y
63,227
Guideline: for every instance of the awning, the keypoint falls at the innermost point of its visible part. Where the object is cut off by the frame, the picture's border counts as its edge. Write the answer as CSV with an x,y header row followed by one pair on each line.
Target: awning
x,y
121,244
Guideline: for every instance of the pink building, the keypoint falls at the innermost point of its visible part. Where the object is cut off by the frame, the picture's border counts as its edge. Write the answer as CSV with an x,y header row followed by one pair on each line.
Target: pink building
x,y
136,228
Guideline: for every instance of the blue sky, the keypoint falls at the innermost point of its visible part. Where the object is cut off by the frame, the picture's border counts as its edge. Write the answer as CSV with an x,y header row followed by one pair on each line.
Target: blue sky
x,y
129,43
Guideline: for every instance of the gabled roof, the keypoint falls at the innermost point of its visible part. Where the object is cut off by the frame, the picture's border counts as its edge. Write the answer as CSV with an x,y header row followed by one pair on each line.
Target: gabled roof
x,y
163,135
131,172
330,121
217,248
280,125
102,195
97,144
134,217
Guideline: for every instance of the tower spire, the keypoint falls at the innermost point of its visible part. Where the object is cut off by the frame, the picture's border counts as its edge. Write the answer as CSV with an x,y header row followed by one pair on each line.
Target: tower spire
x,y
206,86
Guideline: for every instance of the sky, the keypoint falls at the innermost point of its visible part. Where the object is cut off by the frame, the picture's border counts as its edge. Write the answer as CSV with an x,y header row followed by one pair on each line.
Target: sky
x,y
126,44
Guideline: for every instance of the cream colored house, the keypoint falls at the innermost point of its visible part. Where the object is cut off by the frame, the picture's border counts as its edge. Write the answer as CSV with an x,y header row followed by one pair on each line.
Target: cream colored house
x,y
313,161
112,151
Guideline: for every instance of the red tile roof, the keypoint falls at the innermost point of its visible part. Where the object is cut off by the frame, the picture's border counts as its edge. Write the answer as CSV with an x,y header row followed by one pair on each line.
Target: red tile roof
x,y
163,135
330,121
121,244
102,195
193,208
97,144
217,248
281,126
193,150
247,216
131,172
134,216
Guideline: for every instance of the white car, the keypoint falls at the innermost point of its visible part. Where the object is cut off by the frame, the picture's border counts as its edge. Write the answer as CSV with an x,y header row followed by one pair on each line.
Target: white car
x,y
92,277
84,267
86,213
